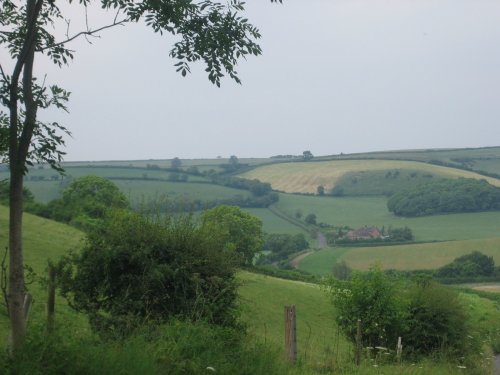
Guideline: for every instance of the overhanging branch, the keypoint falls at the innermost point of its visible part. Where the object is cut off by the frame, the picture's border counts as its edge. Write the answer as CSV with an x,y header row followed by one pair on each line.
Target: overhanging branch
x,y
86,33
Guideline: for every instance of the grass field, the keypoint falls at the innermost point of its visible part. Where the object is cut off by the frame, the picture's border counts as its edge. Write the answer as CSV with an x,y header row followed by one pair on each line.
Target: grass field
x,y
274,224
306,177
402,257
138,190
372,211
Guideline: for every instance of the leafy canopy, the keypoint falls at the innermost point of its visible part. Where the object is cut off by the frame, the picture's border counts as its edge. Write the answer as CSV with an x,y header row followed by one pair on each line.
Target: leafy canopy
x,y
242,232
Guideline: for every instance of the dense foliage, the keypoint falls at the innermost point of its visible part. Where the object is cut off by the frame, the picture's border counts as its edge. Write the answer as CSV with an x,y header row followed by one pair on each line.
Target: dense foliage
x,y
135,269
84,202
435,321
241,233
429,316
281,246
470,265
370,297
445,196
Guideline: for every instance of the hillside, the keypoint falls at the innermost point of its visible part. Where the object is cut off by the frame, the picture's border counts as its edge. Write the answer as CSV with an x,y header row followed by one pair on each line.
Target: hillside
x,y
305,177
262,299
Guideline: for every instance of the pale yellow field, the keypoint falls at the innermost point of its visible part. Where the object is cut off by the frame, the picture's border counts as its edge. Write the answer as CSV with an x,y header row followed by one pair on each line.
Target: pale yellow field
x,y
306,177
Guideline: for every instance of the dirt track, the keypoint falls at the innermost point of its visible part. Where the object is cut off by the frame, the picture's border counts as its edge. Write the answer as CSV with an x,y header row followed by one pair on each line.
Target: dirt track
x,y
296,261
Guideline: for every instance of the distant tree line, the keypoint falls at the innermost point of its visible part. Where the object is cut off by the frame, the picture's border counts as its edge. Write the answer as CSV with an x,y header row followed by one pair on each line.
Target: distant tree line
x,y
472,267
281,246
445,196
338,235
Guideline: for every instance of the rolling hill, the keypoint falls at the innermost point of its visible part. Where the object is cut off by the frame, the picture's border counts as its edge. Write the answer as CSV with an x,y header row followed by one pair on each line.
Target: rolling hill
x,y
305,177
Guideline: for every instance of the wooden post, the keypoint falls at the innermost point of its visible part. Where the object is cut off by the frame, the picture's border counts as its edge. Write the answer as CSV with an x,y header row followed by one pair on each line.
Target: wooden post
x,y
359,344
51,299
290,334
399,350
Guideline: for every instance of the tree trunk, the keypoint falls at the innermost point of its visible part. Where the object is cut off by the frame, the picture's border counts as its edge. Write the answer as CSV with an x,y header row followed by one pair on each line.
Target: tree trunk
x,y
18,153
16,263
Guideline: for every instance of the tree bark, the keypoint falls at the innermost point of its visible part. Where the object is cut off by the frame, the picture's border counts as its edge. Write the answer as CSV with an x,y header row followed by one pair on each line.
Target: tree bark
x,y
16,269
18,152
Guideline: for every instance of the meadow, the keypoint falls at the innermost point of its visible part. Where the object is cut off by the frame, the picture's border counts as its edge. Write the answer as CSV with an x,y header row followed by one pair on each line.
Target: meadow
x,y
402,257
357,212
274,224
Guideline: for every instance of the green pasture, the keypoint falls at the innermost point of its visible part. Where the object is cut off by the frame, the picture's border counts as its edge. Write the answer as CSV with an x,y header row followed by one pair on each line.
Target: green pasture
x,y
305,177
357,212
263,299
138,190
401,257
274,224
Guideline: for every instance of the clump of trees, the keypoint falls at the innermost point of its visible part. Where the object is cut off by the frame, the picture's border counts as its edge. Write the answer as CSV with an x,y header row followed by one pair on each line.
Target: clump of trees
x,y
430,317
445,196
83,203
467,267
281,246
136,269
240,232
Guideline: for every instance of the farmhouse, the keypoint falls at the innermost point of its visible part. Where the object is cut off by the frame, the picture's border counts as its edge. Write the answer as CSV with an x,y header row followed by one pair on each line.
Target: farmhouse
x,y
365,233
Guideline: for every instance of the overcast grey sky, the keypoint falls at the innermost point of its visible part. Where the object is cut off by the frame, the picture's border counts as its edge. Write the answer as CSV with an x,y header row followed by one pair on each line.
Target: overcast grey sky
x,y
336,76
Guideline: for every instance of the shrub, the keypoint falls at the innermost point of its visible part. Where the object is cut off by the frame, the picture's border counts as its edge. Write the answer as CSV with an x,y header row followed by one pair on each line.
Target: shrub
x,y
474,264
370,297
436,321
137,269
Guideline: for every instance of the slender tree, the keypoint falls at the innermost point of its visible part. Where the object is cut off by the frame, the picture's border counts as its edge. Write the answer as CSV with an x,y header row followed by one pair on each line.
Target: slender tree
x,y
210,31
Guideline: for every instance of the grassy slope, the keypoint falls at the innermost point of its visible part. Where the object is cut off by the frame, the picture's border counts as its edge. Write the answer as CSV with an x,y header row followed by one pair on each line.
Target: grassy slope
x,y
404,257
306,177
262,300
43,240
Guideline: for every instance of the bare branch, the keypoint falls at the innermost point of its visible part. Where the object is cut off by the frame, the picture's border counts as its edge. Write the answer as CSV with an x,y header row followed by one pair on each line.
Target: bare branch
x,y
86,33
3,74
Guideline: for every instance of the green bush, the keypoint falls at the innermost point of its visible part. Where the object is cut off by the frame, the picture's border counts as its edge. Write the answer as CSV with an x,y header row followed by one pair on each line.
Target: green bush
x,y
474,264
370,297
135,269
436,322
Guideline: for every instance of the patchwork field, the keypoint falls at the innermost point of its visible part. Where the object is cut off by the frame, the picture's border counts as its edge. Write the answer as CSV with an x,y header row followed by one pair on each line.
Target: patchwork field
x,y
306,177
357,212
402,257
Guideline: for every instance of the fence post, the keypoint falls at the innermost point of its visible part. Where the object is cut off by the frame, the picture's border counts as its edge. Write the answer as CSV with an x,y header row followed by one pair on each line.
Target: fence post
x,y
399,350
51,299
290,333
359,344
28,298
